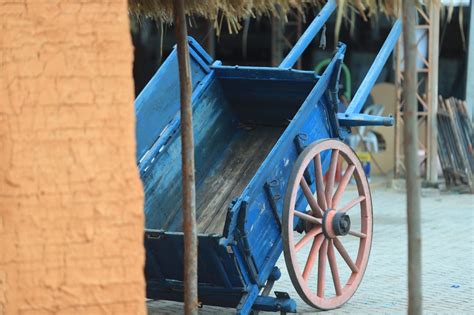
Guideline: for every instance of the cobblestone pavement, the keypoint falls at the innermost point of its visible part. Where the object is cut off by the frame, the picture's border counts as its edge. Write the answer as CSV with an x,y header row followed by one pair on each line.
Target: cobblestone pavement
x,y
448,261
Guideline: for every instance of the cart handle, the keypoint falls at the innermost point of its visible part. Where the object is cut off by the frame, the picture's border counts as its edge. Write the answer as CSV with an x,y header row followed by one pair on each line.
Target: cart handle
x,y
308,35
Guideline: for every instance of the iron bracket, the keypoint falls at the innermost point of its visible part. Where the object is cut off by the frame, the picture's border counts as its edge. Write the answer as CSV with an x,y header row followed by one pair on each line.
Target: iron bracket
x,y
272,188
230,223
300,143
244,245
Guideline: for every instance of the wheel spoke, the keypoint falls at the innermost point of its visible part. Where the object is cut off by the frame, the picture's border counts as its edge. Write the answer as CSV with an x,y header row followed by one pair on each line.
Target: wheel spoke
x,y
307,217
318,170
352,203
340,248
312,255
331,176
322,268
310,197
308,236
333,266
342,185
357,234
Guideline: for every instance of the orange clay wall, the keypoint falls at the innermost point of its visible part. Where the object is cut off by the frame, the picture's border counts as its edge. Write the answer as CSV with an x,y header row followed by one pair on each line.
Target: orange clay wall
x,y
71,220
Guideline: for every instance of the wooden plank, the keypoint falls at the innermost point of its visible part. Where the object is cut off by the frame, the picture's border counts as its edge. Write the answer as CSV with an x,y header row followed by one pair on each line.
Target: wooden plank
x,y
455,144
460,144
239,164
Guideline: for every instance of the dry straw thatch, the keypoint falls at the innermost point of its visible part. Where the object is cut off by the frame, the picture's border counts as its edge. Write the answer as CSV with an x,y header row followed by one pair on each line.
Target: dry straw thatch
x,y
231,12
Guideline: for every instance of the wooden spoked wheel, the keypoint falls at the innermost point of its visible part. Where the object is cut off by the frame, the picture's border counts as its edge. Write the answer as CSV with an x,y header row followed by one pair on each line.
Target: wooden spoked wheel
x,y
327,230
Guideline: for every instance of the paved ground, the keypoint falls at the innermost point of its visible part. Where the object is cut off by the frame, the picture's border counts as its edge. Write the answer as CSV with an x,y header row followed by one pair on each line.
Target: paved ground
x,y
448,260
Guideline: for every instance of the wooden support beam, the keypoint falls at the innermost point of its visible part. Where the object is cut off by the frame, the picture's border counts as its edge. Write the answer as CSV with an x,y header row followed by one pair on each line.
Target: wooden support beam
x,y
411,158
211,39
187,155
432,154
278,24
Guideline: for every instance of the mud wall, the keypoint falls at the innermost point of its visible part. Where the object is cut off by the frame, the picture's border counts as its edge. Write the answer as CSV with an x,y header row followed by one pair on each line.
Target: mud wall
x,y
70,197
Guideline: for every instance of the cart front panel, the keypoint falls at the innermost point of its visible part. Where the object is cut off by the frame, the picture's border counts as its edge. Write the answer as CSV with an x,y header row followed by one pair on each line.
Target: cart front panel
x,y
220,280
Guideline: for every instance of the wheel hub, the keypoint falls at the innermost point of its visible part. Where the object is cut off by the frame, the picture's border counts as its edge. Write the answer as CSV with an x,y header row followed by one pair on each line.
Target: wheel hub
x,y
336,223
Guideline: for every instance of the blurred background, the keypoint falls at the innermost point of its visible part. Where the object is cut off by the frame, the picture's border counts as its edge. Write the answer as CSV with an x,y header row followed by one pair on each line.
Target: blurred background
x,y
263,41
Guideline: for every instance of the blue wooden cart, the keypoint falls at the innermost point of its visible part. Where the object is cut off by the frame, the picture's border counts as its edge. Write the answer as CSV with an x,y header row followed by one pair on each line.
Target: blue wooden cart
x,y
268,150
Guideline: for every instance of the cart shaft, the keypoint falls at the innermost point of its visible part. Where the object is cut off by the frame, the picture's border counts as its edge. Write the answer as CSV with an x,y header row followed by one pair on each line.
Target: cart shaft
x,y
308,35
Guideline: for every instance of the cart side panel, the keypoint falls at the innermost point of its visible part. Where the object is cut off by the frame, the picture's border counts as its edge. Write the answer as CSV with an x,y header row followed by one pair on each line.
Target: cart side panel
x,y
213,126
158,103
265,204
264,215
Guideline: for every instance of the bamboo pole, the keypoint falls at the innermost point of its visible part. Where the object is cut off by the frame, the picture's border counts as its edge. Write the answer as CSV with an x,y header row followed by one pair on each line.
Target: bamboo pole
x,y
187,156
411,158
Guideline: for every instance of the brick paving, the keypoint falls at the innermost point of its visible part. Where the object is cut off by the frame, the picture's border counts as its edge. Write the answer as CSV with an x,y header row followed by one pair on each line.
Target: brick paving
x,y
448,261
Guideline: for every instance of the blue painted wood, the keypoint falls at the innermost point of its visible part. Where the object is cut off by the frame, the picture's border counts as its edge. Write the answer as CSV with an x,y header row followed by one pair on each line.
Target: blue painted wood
x,y
247,301
215,263
158,103
196,48
263,231
269,73
235,263
217,110
170,129
260,103
363,120
214,126
273,304
219,280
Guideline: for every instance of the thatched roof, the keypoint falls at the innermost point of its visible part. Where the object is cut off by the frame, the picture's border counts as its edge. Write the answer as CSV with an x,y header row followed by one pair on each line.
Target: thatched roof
x,y
231,12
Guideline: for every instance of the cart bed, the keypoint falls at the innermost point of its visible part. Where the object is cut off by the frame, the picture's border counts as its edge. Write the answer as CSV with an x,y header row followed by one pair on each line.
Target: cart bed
x,y
239,164
239,114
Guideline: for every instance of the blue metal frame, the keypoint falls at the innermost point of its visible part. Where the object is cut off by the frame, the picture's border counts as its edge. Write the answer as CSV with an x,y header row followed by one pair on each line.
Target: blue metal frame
x,y
235,265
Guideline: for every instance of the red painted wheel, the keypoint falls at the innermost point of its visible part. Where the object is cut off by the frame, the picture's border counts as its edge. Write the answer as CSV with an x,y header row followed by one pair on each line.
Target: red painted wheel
x,y
336,230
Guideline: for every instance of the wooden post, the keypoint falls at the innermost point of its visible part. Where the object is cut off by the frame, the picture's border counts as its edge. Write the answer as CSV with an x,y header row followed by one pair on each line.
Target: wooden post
x,y
277,38
398,115
432,154
411,158
299,31
187,156
211,39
